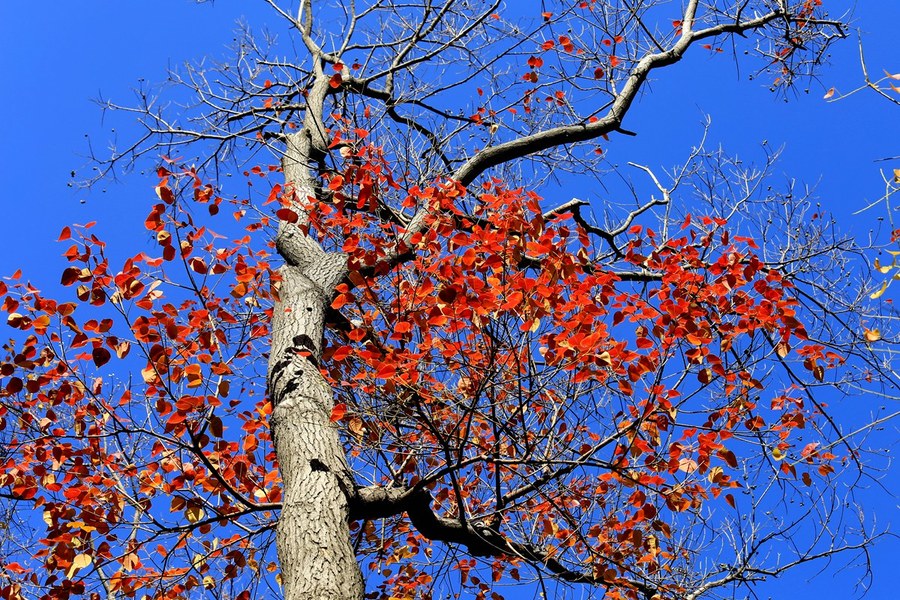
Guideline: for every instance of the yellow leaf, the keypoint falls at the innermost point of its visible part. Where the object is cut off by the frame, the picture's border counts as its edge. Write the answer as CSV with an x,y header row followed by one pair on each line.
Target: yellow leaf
x,y
356,426
878,294
688,465
778,454
122,348
896,175
81,525
872,335
79,562
148,374
829,94
131,562
896,76
193,513
882,268
714,473
208,582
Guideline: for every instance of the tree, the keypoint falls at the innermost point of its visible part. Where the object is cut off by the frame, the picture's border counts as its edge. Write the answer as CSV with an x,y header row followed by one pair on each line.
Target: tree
x,y
454,367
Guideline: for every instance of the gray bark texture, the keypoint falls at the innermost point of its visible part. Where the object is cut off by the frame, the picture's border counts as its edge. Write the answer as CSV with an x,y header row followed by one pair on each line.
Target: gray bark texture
x,y
313,537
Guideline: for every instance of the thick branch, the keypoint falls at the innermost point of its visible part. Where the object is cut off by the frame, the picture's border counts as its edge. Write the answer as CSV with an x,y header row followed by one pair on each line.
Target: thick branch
x,y
479,538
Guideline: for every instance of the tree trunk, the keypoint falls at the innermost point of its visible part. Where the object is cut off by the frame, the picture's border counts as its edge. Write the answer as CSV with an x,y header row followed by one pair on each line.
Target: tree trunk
x,y
313,537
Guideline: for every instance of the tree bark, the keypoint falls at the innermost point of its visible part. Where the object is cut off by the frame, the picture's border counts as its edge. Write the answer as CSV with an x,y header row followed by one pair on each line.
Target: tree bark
x,y
313,537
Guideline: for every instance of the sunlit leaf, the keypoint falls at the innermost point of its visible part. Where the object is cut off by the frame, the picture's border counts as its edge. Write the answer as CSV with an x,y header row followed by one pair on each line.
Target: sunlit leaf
x,y
877,294
872,335
338,412
79,562
193,513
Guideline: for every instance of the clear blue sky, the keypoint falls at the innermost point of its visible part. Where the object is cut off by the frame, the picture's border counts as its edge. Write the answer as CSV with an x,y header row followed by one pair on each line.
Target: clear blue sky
x,y
58,56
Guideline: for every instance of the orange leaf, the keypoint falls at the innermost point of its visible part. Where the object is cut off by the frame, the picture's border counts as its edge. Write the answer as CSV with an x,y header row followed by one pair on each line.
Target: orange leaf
x,y
338,412
872,335
194,375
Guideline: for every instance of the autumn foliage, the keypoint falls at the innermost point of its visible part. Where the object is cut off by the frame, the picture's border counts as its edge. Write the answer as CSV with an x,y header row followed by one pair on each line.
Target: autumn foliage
x,y
521,394
134,412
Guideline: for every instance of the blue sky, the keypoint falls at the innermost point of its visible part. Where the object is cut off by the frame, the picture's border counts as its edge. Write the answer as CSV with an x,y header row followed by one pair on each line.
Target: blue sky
x,y
60,56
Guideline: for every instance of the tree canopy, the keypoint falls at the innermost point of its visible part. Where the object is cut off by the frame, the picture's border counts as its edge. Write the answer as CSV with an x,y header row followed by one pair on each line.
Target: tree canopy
x,y
429,347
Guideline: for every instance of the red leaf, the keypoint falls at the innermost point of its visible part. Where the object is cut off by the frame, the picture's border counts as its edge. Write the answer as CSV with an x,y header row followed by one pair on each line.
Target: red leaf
x,y
335,81
198,265
286,214
101,356
729,457
70,276
15,568
340,353
341,300
336,183
65,234
338,412
165,193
